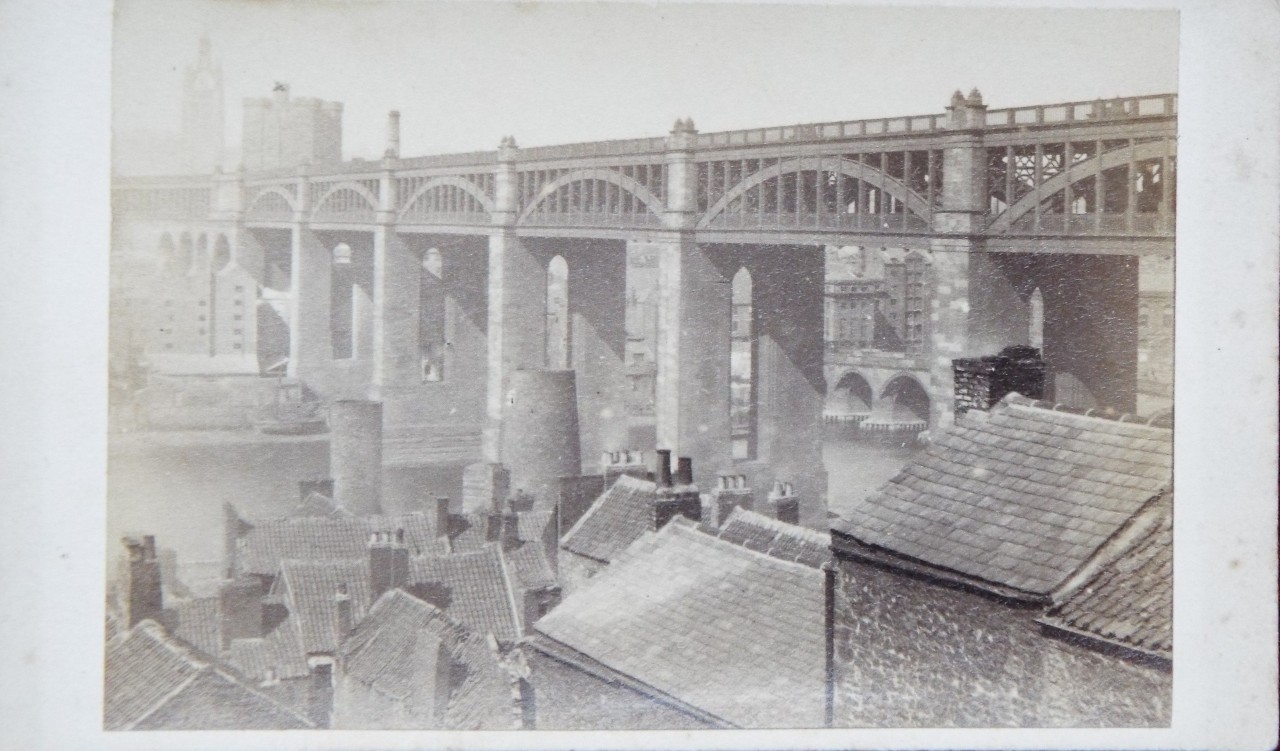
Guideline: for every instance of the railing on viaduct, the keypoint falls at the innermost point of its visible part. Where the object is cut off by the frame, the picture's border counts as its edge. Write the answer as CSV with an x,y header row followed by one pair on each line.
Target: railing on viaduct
x,y
1073,171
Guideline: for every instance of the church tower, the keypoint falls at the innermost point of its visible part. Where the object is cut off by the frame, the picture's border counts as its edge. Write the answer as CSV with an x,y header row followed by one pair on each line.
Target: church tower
x,y
202,113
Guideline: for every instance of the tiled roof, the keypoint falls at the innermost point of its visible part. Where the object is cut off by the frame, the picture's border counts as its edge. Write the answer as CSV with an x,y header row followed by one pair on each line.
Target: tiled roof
x,y
309,588
778,539
531,566
480,595
618,518
147,671
1129,601
1018,497
321,538
397,650
279,654
198,624
729,631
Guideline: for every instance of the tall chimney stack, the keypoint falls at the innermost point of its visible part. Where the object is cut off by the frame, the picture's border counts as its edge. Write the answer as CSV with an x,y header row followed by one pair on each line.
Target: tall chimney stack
x,y
388,562
684,471
981,382
784,502
143,591
342,602
355,455
393,134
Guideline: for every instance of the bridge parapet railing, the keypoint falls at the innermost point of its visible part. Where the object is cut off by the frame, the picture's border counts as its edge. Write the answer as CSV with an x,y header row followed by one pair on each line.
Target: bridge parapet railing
x,y
624,147
445,217
1162,105
830,131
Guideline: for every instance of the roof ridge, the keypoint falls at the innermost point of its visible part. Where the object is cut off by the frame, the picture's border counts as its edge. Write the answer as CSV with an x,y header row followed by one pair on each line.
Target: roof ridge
x,y
751,516
1014,399
714,540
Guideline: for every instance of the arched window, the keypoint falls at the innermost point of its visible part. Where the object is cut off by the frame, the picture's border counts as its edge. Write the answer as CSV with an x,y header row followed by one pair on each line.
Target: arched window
x,y
221,253
742,368
431,315
558,351
168,254
185,249
342,303
1036,335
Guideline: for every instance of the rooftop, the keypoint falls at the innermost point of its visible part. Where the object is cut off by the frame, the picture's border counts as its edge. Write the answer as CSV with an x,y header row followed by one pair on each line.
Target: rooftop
x,y
154,681
705,623
617,518
265,545
397,650
775,538
1016,499
1128,601
476,587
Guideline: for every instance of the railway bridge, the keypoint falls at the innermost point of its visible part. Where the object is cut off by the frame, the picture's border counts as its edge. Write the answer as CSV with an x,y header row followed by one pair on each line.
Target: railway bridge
x,y
425,281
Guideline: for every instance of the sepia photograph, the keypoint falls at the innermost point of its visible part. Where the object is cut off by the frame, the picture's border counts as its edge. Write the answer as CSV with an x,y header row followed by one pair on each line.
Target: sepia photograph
x,y
451,390
620,366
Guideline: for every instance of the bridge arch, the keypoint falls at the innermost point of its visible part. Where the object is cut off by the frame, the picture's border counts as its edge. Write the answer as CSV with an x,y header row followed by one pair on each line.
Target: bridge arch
x,y
635,188
906,397
436,183
1083,170
270,200
914,202
337,191
852,395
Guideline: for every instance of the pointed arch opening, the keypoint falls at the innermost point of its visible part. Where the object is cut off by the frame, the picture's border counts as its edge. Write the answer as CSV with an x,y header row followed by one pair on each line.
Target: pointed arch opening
x,y
743,368
558,326
342,303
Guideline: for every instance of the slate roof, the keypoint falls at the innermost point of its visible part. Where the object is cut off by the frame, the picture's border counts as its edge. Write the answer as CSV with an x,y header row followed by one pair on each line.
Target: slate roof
x,y
148,671
1129,601
618,518
265,545
775,538
481,596
1018,497
198,624
308,589
729,631
532,566
397,650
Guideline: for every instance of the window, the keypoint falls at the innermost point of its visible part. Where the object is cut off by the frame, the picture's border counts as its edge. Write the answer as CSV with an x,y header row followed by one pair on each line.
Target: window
x,y
238,317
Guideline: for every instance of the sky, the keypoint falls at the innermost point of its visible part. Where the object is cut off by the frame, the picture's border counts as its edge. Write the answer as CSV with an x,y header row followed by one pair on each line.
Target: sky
x,y
463,75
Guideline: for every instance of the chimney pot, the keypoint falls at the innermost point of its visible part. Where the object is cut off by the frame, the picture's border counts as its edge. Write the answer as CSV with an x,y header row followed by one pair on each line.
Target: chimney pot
x,y
684,472
664,468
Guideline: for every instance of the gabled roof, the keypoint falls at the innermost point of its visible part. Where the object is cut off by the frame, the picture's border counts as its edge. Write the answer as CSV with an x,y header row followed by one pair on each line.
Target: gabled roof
x,y
776,538
309,589
1016,499
324,538
704,623
531,565
156,681
618,518
480,595
399,648
197,624
1128,601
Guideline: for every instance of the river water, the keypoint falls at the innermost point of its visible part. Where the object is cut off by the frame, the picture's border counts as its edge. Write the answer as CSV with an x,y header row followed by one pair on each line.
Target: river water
x,y
173,485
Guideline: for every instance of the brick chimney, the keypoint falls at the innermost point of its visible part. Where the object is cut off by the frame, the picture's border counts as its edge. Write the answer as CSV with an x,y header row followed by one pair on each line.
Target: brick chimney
x,y
388,562
678,498
981,382
143,592
784,503
732,491
442,517
342,602
240,609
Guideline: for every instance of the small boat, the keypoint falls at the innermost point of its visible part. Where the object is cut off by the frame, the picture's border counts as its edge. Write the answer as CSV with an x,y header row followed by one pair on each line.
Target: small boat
x,y
290,413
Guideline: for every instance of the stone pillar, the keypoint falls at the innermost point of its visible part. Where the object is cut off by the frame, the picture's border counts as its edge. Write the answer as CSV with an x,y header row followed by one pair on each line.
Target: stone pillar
x,y
597,308
956,224
397,273
311,267
355,455
692,411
